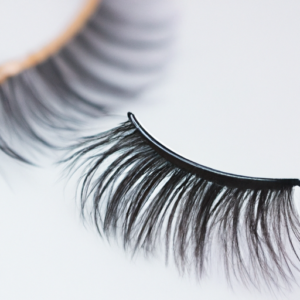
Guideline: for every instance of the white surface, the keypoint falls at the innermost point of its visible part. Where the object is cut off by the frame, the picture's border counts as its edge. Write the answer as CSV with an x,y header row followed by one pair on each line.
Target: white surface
x,y
26,26
230,101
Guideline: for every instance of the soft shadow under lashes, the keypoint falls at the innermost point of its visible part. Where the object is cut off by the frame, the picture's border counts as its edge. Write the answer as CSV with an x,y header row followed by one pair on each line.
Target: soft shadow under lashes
x,y
86,78
132,191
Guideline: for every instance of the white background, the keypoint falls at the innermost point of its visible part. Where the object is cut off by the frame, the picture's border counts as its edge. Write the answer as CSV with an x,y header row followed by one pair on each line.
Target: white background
x,y
229,101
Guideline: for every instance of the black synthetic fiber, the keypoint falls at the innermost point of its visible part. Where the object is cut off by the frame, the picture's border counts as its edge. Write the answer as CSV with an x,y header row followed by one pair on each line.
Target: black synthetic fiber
x,y
115,57
133,193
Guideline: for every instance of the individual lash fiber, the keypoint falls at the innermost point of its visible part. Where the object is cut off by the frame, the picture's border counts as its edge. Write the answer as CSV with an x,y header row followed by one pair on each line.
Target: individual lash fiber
x,y
116,56
131,190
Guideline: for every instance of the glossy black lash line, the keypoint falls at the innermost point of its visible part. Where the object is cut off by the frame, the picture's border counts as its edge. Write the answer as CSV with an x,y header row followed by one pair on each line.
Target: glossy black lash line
x,y
218,177
135,188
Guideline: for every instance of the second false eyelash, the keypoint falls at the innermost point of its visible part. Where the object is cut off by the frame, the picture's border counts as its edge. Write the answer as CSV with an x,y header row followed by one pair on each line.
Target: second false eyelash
x,y
116,56
134,187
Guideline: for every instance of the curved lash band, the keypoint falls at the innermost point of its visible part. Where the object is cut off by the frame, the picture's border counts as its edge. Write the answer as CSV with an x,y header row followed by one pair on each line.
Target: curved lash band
x,y
218,177
150,196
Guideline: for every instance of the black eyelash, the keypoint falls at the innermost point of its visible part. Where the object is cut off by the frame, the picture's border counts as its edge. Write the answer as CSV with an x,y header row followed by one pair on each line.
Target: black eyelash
x,y
115,57
149,194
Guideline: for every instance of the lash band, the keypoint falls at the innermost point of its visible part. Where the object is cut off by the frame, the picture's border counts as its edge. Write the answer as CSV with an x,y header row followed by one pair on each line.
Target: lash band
x,y
209,174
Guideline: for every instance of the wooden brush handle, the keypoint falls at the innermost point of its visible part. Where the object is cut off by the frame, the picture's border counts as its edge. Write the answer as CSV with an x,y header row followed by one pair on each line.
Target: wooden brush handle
x,y
15,67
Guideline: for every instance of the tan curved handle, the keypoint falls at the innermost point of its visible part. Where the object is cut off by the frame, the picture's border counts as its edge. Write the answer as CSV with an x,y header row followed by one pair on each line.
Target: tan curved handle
x,y
15,67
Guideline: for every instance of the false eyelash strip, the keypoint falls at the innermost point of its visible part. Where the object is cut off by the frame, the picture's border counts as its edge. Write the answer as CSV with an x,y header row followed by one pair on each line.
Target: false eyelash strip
x,y
118,54
136,188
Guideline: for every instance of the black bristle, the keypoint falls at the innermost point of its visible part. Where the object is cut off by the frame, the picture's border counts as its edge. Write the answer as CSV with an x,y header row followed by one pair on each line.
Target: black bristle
x,y
132,190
